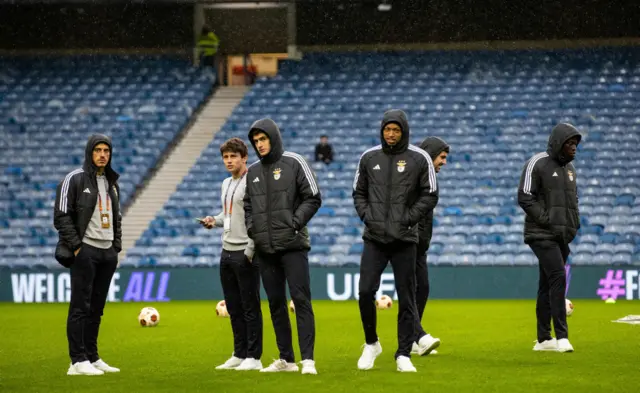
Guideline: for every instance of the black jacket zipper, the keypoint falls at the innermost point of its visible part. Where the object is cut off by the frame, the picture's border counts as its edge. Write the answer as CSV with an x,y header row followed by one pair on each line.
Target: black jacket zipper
x,y
566,199
267,202
389,190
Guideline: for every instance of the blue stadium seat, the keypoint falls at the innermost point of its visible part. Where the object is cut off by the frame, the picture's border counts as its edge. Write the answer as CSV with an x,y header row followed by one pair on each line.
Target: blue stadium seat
x,y
67,101
496,121
610,238
356,248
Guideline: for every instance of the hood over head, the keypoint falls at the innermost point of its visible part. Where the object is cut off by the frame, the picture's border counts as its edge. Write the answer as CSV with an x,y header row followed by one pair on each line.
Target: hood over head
x,y
400,118
559,135
89,167
434,146
270,128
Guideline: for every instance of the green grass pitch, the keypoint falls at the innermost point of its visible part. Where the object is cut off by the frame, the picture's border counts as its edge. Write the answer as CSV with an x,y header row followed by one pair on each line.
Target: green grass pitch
x,y
486,346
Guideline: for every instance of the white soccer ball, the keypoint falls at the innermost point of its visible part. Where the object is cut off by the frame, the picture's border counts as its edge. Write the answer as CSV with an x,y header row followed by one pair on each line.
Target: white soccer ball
x,y
384,302
149,317
569,307
292,307
221,309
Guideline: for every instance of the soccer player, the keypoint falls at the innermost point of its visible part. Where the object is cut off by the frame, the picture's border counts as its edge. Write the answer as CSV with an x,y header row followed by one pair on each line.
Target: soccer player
x,y
394,187
425,344
87,217
282,196
239,272
548,194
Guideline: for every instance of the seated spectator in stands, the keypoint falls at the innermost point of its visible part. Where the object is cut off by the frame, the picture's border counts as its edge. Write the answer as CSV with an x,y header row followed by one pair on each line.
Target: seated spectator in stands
x,y
324,151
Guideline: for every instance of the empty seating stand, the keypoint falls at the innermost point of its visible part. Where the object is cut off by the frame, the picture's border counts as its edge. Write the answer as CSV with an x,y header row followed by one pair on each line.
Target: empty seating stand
x,y
495,109
48,108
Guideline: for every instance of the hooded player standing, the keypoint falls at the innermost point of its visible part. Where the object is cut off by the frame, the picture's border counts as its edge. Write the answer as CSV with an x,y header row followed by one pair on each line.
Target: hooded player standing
x,y
548,194
425,344
282,195
394,187
87,217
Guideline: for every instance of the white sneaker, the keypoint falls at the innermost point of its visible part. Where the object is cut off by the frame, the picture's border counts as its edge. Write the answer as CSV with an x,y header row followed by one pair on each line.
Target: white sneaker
x,y
369,355
415,350
404,365
230,364
281,365
309,367
549,345
101,365
83,368
564,345
427,344
249,364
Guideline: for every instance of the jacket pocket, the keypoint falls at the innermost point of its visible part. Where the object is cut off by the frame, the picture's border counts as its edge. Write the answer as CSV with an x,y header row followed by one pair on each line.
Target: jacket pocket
x,y
367,216
64,254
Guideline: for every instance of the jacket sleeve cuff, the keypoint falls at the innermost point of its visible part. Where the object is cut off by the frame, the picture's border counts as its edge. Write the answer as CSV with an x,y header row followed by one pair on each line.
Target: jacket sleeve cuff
x,y
250,250
76,246
219,220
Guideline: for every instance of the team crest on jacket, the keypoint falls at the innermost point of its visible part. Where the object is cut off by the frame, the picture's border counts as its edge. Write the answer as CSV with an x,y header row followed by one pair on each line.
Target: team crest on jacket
x,y
401,165
570,175
276,173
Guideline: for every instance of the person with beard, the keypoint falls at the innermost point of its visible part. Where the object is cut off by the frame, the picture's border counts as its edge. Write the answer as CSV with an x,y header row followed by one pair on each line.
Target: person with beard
x,y
87,217
425,344
394,187
548,194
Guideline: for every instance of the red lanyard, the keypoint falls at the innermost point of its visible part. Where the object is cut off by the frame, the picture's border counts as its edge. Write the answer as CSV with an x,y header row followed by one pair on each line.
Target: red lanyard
x,y
100,198
232,194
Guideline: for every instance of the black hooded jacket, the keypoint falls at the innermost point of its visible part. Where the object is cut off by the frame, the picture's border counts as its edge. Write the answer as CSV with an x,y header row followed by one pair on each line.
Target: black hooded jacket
x,y
433,146
74,206
282,195
548,193
394,187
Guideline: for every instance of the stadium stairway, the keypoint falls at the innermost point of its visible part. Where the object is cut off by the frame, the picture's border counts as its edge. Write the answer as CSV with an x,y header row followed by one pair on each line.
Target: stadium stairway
x,y
163,184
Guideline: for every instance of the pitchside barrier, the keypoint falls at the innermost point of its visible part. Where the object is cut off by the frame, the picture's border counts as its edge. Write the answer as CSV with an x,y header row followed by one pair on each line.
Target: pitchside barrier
x,y
447,282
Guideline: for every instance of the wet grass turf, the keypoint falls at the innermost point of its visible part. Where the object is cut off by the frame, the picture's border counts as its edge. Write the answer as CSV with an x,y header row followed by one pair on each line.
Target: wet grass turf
x,y
486,346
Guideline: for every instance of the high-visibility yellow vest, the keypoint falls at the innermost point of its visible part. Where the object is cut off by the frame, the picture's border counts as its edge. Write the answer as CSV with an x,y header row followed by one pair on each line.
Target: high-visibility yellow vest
x,y
208,44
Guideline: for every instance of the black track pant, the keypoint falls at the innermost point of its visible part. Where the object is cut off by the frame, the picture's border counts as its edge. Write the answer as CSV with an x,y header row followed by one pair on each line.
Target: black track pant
x,y
91,275
375,258
422,292
240,281
278,270
552,257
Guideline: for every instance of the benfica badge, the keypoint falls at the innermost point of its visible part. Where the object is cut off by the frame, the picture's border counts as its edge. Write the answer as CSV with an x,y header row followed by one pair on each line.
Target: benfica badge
x,y
401,165
276,173
570,175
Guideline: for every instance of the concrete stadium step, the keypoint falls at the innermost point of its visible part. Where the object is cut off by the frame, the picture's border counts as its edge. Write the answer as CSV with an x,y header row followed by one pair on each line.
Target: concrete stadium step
x,y
166,180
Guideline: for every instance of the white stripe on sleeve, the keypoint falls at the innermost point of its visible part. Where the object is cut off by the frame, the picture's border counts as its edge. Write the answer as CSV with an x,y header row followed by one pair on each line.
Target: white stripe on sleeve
x,y
433,185
307,171
65,189
526,188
